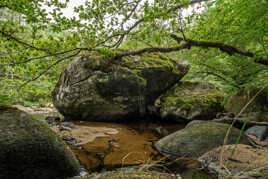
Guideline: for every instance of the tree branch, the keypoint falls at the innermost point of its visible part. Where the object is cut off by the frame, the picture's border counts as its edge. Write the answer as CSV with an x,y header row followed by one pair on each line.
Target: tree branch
x,y
48,68
122,35
45,56
151,50
10,37
190,3
230,50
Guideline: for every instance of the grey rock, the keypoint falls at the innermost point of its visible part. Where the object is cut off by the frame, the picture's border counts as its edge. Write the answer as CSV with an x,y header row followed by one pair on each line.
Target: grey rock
x,y
67,124
196,139
64,128
95,88
260,132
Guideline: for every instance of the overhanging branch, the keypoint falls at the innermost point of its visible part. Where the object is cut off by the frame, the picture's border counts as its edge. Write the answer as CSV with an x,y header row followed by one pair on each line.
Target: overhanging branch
x,y
230,50
10,37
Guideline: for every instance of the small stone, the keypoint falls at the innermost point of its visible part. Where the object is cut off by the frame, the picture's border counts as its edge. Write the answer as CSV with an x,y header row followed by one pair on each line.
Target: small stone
x,y
67,124
64,128
260,132
69,140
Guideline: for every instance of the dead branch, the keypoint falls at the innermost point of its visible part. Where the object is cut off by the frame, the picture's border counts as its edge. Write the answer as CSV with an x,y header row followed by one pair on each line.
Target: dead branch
x,y
240,121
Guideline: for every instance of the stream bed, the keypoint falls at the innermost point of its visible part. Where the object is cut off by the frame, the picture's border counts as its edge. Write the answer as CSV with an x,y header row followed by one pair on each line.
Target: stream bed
x,y
101,146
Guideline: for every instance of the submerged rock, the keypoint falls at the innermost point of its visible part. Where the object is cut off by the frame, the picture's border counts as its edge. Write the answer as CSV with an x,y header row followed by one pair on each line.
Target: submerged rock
x,y
188,101
131,175
241,161
197,138
29,149
96,88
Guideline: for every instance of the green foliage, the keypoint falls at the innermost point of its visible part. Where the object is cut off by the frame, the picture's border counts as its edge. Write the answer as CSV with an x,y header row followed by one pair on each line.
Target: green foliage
x,y
240,23
31,32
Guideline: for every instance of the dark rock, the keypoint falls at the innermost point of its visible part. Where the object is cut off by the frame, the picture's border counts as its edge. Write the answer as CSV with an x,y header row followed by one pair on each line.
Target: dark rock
x,y
70,140
96,88
52,121
259,104
260,132
29,149
196,139
189,101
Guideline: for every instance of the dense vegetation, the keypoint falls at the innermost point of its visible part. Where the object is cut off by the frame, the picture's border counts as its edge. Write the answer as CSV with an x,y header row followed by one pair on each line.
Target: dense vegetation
x,y
225,41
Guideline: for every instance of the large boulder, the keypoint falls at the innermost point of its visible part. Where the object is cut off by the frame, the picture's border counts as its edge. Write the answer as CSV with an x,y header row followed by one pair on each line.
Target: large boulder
x,y
131,175
29,149
189,101
96,88
257,103
239,161
197,138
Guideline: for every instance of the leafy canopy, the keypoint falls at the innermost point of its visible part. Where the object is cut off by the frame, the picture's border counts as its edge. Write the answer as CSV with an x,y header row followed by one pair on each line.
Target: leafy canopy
x,y
225,41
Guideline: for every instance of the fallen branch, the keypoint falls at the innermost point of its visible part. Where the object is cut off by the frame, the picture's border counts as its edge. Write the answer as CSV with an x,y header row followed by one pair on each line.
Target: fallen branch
x,y
240,121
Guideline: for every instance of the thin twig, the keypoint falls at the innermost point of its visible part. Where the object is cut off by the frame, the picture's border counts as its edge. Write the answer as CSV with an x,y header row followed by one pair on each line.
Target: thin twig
x,y
9,36
48,68
45,56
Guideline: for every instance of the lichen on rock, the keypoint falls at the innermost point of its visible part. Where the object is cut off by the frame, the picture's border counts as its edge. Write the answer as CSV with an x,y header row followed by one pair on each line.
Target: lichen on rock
x,y
95,88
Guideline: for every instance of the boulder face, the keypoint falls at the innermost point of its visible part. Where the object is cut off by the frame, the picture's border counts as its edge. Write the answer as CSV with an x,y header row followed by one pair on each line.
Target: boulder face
x,y
197,138
241,160
95,88
29,149
189,101
259,104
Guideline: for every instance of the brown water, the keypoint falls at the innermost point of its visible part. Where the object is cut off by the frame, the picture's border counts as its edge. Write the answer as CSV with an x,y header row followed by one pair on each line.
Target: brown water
x,y
131,145
107,146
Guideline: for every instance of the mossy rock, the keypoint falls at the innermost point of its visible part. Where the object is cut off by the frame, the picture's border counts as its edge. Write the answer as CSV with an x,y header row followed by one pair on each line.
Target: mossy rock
x,y
197,138
95,88
29,149
259,103
189,101
131,175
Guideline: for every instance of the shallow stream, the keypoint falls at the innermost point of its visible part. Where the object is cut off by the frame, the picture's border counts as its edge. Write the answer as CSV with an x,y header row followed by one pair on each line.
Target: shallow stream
x,y
108,146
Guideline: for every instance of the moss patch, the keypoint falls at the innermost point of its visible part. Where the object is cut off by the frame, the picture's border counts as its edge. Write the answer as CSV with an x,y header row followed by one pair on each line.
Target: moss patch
x,y
191,101
29,149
